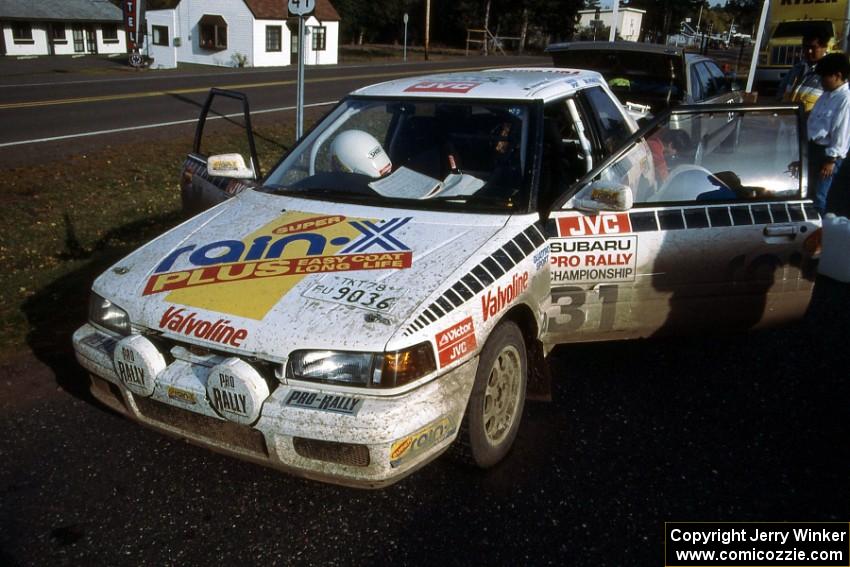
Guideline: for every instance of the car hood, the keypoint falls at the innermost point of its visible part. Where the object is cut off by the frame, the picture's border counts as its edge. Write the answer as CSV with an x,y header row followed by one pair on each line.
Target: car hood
x,y
267,274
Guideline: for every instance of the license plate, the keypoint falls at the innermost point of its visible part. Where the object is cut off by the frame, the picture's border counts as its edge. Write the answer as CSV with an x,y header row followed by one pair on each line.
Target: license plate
x,y
363,294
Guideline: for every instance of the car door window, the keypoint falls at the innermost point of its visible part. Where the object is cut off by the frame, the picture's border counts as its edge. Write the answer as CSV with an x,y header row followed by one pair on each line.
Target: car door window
x,y
565,156
696,86
718,79
707,86
732,156
611,126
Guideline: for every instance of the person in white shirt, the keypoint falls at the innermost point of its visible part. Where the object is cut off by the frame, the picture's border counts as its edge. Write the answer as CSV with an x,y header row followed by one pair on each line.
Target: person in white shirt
x,y
828,127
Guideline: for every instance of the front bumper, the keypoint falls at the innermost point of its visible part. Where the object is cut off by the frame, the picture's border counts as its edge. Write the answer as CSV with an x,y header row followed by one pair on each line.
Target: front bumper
x,y
388,438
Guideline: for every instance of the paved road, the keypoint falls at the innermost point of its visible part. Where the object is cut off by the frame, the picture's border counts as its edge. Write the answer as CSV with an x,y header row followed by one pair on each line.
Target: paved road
x,y
743,428
42,105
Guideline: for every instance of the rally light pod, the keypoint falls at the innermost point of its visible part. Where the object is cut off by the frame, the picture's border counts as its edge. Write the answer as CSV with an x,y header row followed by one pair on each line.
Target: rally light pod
x,y
137,362
236,391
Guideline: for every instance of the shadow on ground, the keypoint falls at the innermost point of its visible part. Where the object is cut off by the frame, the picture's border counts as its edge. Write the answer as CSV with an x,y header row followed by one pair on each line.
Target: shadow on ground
x,y
55,312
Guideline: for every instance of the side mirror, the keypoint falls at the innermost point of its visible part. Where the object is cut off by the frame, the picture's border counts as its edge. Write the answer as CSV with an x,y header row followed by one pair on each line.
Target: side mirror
x,y
604,196
229,165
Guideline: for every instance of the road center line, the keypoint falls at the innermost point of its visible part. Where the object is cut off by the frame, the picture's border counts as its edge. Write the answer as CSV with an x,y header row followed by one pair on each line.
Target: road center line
x,y
159,125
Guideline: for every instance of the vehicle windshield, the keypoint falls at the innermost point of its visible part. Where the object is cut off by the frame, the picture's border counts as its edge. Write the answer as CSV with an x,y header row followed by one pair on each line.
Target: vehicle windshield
x,y
633,76
469,156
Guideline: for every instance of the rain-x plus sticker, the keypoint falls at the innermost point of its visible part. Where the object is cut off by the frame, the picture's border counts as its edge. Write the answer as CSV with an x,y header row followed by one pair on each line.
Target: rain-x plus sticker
x,y
248,277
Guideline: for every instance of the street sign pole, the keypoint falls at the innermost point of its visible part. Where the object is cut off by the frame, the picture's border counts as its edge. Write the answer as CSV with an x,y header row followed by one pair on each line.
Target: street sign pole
x,y
405,36
300,8
299,105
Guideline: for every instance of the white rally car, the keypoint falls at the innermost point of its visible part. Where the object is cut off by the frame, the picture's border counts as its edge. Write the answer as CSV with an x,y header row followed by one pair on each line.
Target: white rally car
x,y
395,282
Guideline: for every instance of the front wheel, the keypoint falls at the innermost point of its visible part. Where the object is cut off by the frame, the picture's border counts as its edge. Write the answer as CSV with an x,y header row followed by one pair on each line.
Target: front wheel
x,y
498,396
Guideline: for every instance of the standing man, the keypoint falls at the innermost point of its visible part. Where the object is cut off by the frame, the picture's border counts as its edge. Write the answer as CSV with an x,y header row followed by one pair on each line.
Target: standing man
x,y
802,83
828,127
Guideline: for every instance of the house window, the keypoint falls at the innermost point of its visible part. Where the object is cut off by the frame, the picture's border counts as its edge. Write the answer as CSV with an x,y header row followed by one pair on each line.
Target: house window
x,y
159,35
293,42
273,38
58,33
213,32
319,38
110,33
22,32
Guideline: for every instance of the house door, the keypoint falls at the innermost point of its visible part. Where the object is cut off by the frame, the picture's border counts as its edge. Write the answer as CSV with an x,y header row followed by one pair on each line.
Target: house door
x,y
91,40
79,46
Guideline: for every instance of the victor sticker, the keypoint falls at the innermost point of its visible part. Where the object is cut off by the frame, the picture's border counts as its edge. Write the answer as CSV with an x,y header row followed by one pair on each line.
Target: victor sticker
x,y
324,402
590,260
363,294
592,225
409,447
456,342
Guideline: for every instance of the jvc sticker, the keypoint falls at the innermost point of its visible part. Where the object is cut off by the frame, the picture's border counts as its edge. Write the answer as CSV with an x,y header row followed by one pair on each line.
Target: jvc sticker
x,y
458,87
456,342
363,294
324,402
591,260
585,225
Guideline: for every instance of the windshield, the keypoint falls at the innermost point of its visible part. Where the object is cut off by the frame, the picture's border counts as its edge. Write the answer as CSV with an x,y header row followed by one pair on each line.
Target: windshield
x,y
470,156
630,74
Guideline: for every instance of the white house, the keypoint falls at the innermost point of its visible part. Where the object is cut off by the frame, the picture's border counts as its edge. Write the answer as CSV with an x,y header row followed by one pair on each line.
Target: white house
x,y
60,27
250,33
629,21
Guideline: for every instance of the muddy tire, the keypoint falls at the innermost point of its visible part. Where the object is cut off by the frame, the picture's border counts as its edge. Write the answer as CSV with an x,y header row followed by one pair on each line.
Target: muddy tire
x,y
495,406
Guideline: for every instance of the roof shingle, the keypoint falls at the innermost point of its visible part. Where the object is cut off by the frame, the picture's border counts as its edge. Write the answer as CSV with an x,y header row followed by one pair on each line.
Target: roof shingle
x,y
60,10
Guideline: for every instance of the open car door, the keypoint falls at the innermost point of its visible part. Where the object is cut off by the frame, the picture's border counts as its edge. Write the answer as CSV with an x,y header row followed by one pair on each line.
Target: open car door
x,y
207,180
687,229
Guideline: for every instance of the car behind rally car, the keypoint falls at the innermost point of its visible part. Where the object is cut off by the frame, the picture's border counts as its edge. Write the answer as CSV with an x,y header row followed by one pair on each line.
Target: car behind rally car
x,y
394,283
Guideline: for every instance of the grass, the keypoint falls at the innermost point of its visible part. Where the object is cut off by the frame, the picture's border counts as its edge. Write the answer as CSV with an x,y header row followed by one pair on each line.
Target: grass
x,y
67,222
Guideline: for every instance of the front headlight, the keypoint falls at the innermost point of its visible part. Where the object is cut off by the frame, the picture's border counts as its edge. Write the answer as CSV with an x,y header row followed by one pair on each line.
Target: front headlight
x,y
362,369
106,314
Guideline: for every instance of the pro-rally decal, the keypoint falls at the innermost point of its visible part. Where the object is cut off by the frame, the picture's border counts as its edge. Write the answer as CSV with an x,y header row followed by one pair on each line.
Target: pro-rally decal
x,y
248,277
324,402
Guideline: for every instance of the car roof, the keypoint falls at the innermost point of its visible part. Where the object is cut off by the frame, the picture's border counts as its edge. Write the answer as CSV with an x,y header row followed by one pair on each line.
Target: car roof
x,y
525,83
615,46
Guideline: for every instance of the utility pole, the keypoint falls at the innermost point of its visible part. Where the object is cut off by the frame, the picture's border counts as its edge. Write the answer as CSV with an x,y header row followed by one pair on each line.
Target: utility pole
x,y
486,28
427,26
613,33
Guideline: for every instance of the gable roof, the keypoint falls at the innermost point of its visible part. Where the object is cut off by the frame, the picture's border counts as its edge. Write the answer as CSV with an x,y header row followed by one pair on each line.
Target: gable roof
x,y
61,10
262,9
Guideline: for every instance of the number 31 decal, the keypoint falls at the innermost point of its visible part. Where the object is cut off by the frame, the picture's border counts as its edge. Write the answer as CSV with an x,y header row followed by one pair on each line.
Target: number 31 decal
x,y
572,314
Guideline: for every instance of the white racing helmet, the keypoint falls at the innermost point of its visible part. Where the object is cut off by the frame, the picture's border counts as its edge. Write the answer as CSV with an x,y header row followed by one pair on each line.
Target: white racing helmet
x,y
356,151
